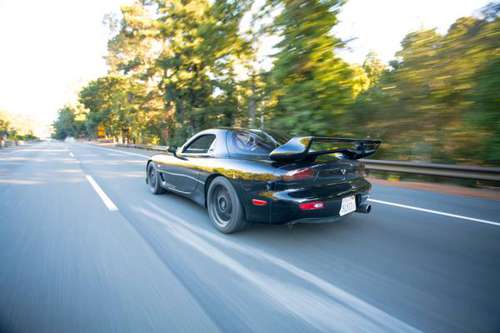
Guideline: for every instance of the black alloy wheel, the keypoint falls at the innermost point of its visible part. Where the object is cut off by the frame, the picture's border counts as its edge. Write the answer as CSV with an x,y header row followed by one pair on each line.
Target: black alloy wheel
x,y
224,207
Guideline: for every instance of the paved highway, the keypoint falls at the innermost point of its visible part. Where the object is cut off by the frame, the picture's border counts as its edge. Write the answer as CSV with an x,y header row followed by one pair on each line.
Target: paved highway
x,y
84,247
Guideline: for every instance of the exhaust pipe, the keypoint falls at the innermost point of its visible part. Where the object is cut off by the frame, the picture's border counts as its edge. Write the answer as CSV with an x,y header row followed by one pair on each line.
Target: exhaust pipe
x,y
364,208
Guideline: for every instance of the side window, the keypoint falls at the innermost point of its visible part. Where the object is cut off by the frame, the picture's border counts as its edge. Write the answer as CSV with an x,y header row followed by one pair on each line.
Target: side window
x,y
200,145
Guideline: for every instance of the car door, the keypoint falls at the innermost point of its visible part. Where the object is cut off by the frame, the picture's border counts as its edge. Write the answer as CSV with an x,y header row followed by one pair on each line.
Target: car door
x,y
183,175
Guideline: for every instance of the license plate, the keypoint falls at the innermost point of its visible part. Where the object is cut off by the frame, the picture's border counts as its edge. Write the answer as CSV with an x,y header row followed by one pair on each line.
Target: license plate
x,y
348,205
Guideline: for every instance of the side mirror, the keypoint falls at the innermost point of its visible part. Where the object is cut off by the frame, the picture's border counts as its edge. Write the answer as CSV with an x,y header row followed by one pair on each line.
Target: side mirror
x,y
172,149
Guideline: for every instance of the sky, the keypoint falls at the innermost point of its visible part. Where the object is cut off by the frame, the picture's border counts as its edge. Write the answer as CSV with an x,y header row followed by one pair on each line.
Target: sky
x,y
380,25
51,48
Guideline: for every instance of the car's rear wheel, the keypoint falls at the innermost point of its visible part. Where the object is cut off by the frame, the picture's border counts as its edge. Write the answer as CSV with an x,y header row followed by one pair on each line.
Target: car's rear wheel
x,y
154,180
224,207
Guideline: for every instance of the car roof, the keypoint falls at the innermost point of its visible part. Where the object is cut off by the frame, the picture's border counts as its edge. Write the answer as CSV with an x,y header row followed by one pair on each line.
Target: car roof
x,y
231,129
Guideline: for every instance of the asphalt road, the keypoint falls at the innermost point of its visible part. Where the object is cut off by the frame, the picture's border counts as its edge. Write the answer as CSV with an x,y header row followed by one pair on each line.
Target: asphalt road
x,y
74,260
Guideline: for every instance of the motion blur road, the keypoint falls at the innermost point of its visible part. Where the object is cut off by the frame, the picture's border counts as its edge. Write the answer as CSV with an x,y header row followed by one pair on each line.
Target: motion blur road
x,y
84,247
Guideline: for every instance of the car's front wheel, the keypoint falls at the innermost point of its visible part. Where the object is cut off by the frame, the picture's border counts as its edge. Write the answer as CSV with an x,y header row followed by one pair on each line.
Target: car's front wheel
x,y
154,180
224,207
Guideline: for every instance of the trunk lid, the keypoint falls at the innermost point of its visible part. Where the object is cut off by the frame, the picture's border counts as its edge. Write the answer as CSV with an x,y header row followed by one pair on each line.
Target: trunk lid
x,y
327,171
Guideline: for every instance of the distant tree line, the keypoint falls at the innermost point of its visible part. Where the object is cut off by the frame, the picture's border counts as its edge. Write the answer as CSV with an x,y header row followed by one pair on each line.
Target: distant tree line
x,y
176,67
13,132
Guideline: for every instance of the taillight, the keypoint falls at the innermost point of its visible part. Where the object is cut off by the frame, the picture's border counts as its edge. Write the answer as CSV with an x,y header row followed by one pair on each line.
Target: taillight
x,y
312,205
299,174
259,202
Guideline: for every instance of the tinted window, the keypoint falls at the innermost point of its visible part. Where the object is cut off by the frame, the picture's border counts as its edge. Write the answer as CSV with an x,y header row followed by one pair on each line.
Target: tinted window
x,y
201,145
251,143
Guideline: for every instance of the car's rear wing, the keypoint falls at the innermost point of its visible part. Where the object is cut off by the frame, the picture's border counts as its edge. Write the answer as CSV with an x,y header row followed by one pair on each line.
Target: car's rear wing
x,y
300,148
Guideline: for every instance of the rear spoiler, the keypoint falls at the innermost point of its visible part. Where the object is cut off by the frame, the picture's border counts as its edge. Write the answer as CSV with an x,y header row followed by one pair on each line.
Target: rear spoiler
x,y
299,148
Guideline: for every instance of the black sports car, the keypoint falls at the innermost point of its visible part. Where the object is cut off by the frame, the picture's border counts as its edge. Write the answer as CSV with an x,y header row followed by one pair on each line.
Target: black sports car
x,y
246,175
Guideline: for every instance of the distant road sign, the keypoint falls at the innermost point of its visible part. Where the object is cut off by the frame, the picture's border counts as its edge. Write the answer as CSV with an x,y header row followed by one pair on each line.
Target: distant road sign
x,y
101,131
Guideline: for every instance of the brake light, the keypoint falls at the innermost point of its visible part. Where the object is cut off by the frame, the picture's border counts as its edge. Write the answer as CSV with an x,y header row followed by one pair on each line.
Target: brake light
x,y
312,205
299,174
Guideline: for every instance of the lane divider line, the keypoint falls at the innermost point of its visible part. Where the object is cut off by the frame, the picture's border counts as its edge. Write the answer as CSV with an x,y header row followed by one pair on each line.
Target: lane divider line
x,y
104,197
436,212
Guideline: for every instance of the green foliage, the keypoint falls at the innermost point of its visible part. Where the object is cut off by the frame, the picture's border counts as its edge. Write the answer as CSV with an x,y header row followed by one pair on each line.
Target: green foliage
x,y
374,68
67,124
485,111
176,67
4,125
15,128
310,86
171,70
440,100
108,101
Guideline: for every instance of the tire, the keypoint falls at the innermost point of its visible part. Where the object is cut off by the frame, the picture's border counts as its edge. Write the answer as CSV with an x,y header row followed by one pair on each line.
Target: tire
x,y
154,180
224,207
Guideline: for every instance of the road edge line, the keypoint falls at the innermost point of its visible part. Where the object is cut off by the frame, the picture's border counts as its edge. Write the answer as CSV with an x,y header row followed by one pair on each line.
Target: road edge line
x,y
435,212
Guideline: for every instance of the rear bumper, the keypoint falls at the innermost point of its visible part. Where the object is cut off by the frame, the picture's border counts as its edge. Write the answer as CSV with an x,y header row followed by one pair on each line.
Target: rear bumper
x,y
289,211
283,206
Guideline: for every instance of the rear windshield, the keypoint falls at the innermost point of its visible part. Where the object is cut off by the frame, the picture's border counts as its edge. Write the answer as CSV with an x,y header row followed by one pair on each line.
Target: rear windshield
x,y
253,143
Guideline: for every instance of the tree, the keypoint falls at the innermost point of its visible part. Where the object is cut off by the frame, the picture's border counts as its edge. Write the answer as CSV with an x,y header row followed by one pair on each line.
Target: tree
x,y
108,101
310,86
4,125
176,67
67,124
179,59
374,68
132,56
198,63
438,101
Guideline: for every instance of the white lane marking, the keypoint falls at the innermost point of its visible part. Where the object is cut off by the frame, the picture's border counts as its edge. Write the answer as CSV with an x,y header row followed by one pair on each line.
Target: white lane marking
x,y
104,197
71,154
436,212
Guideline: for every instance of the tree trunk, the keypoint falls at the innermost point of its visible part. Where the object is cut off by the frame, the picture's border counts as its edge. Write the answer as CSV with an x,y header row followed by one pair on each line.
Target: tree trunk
x,y
252,104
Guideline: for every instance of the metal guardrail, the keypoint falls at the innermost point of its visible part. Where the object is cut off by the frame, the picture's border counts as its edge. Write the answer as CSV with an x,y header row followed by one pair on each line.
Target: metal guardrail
x,y
141,146
432,169
416,168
